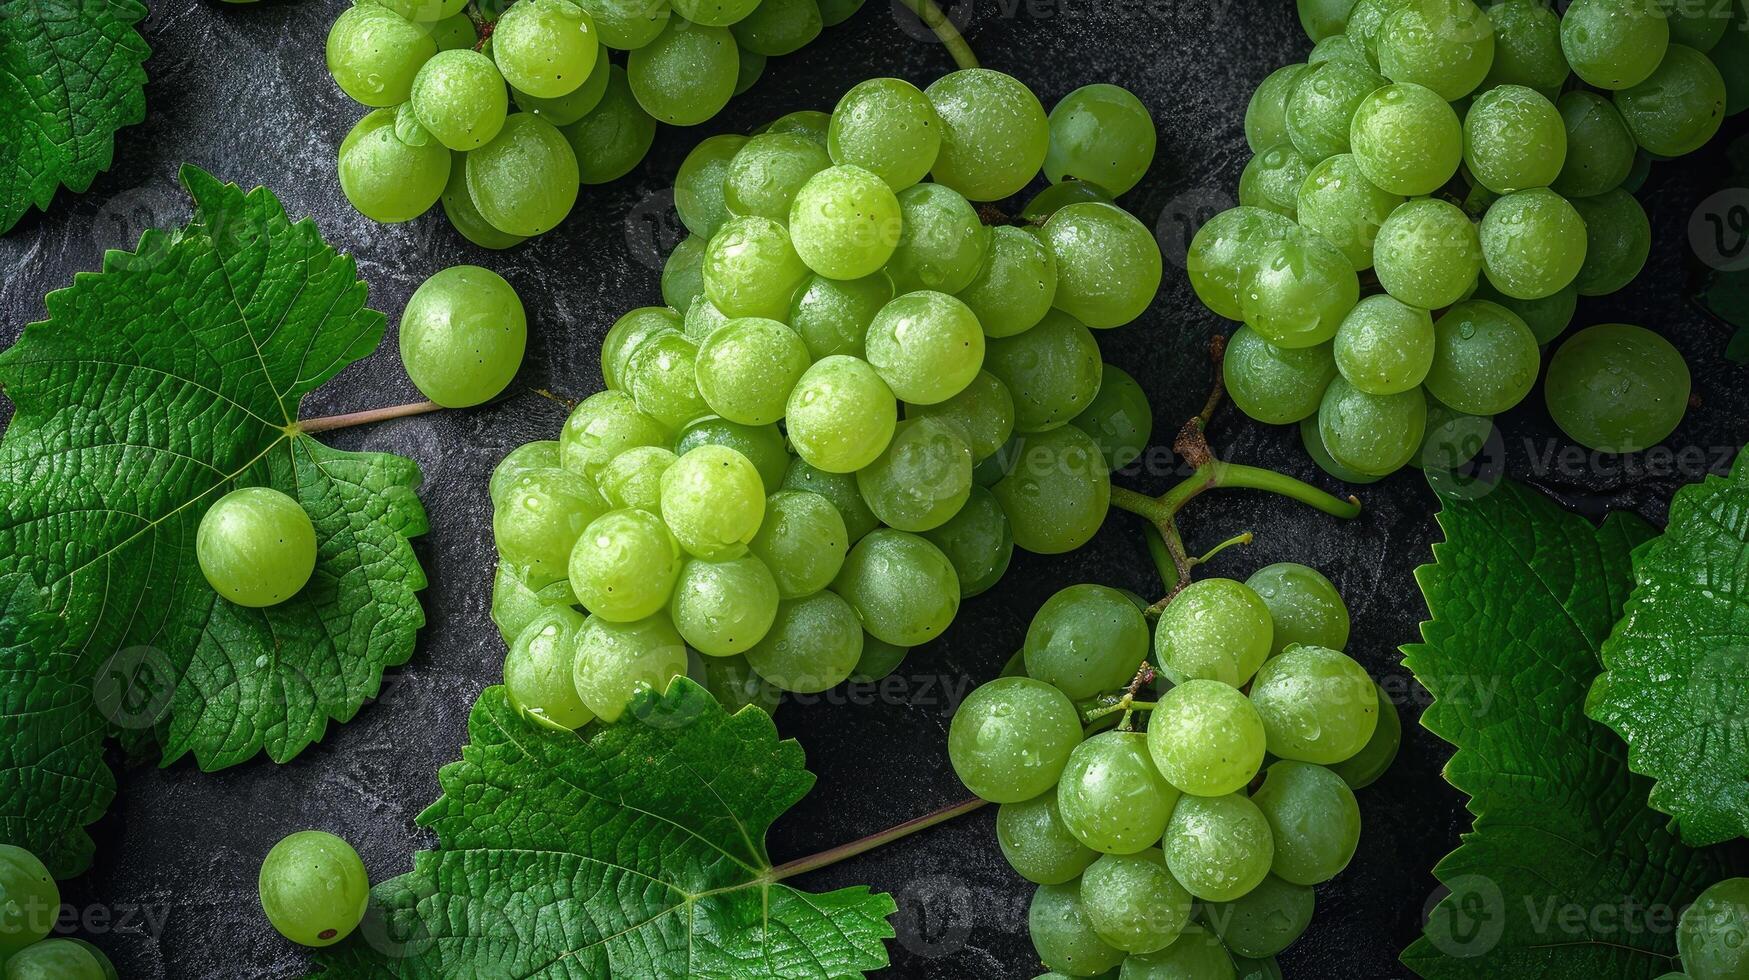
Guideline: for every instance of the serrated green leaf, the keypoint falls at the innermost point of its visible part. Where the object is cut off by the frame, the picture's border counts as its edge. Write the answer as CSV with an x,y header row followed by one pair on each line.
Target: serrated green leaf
x,y
1566,875
155,386
1677,684
71,74
636,853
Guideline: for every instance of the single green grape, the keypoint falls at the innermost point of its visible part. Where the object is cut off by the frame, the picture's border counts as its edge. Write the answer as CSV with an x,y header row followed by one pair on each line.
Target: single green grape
x,y
977,540
601,427
1366,766
687,74
546,48
1214,629
1514,138
464,216
1446,45
1087,640
1324,18
1111,796
1618,240
514,603
1299,291
777,27
1119,418
921,479
662,377
1053,371
1312,439
374,54
1365,20
60,959
1485,358
835,12
30,901
982,413
1317,704
1206,738
615,661
463,335
1222,255
1062,935
903,587
1713,933
256,546
702,318
1384,346
840,489
537,670
1614,44
888,127
1108,263
765,174
802,541
1427,253
1533,243
629,333
1679,107
1016,285
459,98
841,415
714,501
1304,606
1339,47
388,180
573,105
624,566
313,888
1314,818
1058,491
1197,953
1320,112
455,31
1037,845
1218,847
1102,134
994,133
1527,47
1338,202
1273,178
699,190
1133,902
752,269
614,136
845,222
1372,434
1010,739
1266,112
814,644
525,180
1274,384
1600,149
763,445
942,241
812,123
735,685
683,273
1617,388
878,660
1265,921
716,13
425,11
1406,139
539,519
747,367
832,315
927,346
725,607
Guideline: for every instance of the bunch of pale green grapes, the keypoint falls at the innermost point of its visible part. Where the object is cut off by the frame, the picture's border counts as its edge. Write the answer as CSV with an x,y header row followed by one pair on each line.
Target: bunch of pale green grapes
x,y
1190,848
503,122
30,905
858,400
1481,164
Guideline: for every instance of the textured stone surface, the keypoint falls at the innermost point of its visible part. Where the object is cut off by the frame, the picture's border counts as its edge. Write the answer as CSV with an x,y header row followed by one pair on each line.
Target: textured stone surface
x,y
241,91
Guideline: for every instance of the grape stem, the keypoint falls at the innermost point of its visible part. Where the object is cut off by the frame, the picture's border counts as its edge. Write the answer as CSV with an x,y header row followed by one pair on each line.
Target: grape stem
x,y
831,856
944,28
330,422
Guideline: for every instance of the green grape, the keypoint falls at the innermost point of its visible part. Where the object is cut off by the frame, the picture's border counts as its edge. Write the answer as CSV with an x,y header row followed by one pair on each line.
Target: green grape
x,y
462,336
1698,25
1002,463
458,207
1011,738
1267,920
514,603
388,180
994,133
30,901
1108,263
699,184
424,11
1614,44
942,241
1485,358
841,415
546,48
573,105
537,670
814,644
1062,935
1133,902
714,501
374,53
1366,766
1713,933
1618,239
1366,19
878,660
1221,257
1196,955
60,959
1339,47
1111,796
525,180
702,318
751,269
1273,384
601,427
1118,418
539,455
629,333
832,315
1406,139
1300,290
1058,492
687,74
624,565
840,489
982,413
845,221
454,32
1266,112
1272,179
1527,47
540,518
1617,388
1015,286
1218,847
1206,738
1446,45
903,587
1101,134
750,69
1324,18
1600,150
459,97
746,368
802,541
835,12
313,888
617,660
888,127
256,546
1514,138
1215,629
811,123
1321,109
1384,346
662,377
1317,704
1371,434
977,540
1547,317
1053,371
1452,439
1314,819
927,346
1304,606
1037,845
735,685
633,479
1313,441
921,479
626,25
614,136
715,13
725,607
763,445
778,27
765,174
1338,202
1533,243
1427,253
1679,107
1642,169
1087,640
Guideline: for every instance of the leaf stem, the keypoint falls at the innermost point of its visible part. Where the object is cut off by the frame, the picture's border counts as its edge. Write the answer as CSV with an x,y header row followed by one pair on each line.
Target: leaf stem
x,y
330,422
831,856
950,36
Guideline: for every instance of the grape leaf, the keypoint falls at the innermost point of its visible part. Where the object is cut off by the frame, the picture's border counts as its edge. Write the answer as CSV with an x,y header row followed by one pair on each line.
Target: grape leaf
x,y
1567,874
154,387
71,74
1677,684
637,852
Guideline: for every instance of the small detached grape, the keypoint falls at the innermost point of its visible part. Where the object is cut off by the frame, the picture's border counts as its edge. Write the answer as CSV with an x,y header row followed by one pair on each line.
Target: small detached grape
x,y
313,888
256,546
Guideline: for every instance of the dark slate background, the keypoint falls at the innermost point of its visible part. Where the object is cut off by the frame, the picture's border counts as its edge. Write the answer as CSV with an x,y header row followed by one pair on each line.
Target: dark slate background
x,y
241,91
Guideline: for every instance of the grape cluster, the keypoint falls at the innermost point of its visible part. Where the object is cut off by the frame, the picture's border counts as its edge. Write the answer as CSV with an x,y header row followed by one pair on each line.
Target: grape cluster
x,y
1479,165
30,905
503,109
858,400
1189,848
